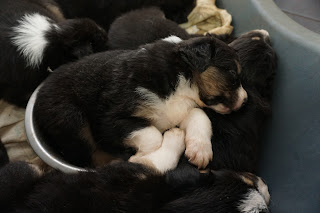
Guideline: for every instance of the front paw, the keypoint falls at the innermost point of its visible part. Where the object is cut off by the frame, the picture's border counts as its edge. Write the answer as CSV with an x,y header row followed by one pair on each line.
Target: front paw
x,y
199,152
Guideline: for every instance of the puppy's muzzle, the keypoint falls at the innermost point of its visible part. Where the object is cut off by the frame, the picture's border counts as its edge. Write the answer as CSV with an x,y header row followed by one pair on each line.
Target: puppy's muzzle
x,y
242,99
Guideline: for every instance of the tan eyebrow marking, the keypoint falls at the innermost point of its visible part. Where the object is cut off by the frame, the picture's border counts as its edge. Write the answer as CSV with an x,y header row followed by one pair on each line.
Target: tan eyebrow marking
x,y
238,66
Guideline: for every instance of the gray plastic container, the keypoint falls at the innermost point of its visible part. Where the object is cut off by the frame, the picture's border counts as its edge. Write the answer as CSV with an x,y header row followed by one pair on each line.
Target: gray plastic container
x,y
290,160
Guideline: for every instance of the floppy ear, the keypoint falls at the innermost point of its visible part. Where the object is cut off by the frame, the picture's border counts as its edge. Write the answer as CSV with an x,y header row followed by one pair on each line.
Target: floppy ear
x,y
197,56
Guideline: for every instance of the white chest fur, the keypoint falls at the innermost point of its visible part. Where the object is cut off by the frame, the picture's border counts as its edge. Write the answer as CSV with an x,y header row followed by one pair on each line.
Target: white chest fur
x,y
168,113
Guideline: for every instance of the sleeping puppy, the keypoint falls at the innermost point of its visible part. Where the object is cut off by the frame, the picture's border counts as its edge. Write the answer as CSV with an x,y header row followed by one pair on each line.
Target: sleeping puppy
x,y
236,135
146,26
36,38
118,99
104,12
129,187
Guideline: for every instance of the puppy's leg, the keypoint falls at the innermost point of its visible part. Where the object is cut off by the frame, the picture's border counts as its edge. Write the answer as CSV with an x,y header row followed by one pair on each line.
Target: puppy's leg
x,y
167,156
16,181
145,140
198,137
64,127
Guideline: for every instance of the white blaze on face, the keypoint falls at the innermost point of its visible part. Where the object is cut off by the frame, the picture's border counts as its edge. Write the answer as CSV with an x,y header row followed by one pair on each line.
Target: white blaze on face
x,y
221,108
29,37
172,39
242,96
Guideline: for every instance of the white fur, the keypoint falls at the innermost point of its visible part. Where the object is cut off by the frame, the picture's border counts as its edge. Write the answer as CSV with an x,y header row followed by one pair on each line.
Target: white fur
x,y
255,38
252,203
242,95
220,108
198,130
29,37
168,113
263,32
145,140
168,155
263,189
172,39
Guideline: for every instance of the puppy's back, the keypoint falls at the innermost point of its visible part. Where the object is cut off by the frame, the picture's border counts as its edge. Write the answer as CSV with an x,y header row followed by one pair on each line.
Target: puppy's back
x,y
143,26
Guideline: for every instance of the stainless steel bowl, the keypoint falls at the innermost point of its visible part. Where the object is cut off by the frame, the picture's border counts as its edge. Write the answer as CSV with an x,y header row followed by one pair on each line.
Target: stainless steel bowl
x,y
36,142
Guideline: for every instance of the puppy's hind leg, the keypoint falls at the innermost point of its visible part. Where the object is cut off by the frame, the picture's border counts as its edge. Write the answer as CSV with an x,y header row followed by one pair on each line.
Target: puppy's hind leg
x,y
167,156
17,179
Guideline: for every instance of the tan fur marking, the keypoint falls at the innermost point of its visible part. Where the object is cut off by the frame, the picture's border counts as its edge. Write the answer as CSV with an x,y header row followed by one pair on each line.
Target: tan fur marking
x,y
247,180
255,38
210,83
101,158
56,10
238,66
86,134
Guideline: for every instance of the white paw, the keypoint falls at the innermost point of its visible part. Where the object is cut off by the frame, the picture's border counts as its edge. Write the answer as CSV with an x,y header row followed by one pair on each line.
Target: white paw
x,y
173,140
199,152
167,156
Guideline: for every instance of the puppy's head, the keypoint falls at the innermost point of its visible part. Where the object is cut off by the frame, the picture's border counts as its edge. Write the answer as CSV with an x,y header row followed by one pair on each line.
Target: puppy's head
x,y
216,71
257,58
248,192
73,39
83,36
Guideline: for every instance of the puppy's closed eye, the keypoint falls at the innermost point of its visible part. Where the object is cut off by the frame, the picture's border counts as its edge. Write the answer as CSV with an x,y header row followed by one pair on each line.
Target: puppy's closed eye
x,y
213,100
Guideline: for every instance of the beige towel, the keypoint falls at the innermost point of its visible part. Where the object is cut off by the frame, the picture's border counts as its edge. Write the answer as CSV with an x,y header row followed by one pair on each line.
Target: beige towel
x,y
13,136
207,18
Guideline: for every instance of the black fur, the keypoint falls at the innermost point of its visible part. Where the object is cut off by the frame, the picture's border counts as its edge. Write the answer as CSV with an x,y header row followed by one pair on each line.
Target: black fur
x,y
64,108
146,26
104,12
127,187
236,136
140,27
120,187
74,39
4,159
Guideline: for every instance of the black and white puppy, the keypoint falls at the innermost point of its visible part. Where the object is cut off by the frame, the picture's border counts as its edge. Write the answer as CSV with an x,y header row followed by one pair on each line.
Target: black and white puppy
x,y
236,135
128,187
128,98
104,12
34,38
181,190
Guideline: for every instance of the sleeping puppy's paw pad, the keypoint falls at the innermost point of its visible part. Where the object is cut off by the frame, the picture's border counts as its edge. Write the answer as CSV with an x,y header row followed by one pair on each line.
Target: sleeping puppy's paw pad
x,y
199,152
